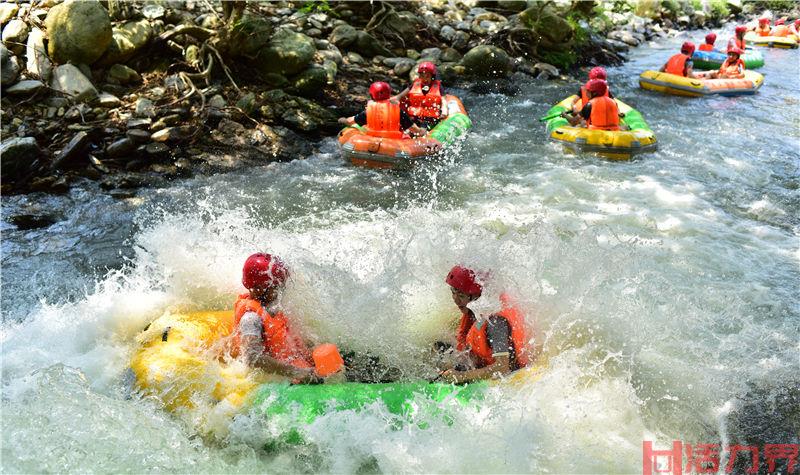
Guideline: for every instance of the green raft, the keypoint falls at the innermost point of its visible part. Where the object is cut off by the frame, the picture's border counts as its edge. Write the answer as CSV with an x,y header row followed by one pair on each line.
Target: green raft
x,y
708,60
292,406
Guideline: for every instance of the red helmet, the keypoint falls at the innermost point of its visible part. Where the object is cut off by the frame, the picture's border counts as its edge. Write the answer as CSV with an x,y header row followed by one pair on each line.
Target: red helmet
x,y
711,38
687,48
427,66
741,29
763,20
263,271
598,73
597,86
463,279
797,22
780,22
735,49
380,91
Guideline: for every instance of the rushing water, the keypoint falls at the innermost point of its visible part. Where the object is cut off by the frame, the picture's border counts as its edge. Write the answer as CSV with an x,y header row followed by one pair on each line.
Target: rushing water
x,y
664,291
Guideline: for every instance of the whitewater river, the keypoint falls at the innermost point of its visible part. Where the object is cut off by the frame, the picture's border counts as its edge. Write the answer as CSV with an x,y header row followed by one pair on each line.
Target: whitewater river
x,y
664,291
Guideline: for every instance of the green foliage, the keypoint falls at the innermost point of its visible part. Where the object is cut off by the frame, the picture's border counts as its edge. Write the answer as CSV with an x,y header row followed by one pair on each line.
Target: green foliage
x,y
774,5
648,8
719,9
560,59
317,6
581,35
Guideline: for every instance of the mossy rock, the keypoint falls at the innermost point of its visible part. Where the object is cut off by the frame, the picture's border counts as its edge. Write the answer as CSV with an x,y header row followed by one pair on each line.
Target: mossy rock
x,y
78,31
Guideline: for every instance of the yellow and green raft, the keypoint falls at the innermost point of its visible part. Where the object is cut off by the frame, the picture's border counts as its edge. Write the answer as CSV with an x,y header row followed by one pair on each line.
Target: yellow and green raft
x,y
612,144
693,87
181,359
783,42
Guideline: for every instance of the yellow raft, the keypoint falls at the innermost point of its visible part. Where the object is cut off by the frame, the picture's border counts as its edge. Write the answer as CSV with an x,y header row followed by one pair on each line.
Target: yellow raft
x,y
693,87
783,42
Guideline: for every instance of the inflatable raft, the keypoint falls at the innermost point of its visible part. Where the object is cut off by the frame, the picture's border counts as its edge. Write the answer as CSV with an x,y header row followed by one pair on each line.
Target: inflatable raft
x,y
714,59
401,154
783,42
692,87
613,144
181,360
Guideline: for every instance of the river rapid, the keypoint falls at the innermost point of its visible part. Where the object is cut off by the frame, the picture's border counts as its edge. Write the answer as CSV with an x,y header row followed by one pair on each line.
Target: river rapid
x,y
664,291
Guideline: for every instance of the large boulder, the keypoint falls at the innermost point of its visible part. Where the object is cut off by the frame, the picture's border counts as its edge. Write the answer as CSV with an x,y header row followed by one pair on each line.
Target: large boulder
x,y
553,29
18,157
126,41
367,45
38,64
513,5
400,23
250,35
78,31
486,61
15,34
310,82
296,112
343,36
288,53
9,67
7,11
69,80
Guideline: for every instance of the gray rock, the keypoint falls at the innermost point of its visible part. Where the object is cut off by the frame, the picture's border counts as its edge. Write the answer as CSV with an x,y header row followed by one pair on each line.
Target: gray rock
x,y
217,102
404,67
7,11
144,108
329,55
18,157
25,88
138,136
108,100
513,5
310,82
69,80
126,41
447,33
38,63
684,20
412,54
78,31
450,55
735,6
367,45
123,74
9,67
288,53
331,69
343,36
431,54
15,34
121,148
545,71
354,58
247,103
392,62
74,152
152,12
464,26
172,134
156,149
460,40
251,35
486,61
401,23
139,123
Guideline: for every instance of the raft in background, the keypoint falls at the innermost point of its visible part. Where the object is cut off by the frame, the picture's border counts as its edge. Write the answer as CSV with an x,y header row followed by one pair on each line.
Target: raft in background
x,y
612,144
402,154
783,42
181,361
695,87
753,59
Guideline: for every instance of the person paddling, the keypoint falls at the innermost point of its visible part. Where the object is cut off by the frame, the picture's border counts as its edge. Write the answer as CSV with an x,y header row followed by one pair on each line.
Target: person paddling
x,y
497,344
709,44
424,99
263,334
583,96
681,63
763,28
383,116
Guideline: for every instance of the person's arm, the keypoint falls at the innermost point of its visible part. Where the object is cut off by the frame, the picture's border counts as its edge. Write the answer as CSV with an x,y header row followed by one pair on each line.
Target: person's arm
x,y
498,335
402,95
347,120
360,119
251,334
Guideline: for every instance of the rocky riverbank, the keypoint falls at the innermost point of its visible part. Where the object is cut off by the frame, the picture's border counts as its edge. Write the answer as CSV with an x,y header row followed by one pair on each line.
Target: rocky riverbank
x,y
132,94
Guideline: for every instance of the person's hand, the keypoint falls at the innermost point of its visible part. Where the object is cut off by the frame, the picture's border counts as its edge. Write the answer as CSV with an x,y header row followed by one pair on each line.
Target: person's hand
x,y
343,121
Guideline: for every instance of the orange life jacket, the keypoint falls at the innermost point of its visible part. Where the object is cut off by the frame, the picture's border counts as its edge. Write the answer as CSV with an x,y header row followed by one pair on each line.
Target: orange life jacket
x,y
780,30
739,43
427,105
475,339
279,340
585,95
706,47
732,69
383,119
764,31
677,64
605,114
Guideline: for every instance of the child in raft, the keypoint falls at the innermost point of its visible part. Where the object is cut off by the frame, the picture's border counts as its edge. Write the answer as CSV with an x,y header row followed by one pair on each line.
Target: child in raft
x,y
763,28
491,345
383,116
681,64
263,335
732,68
424,99
738,38
709,44
583,96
